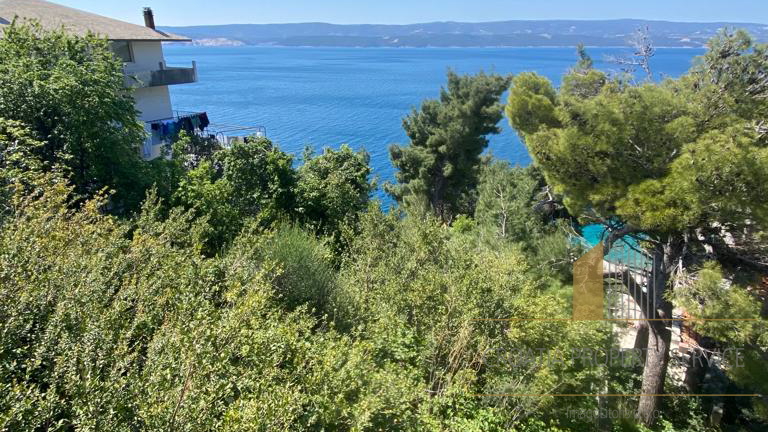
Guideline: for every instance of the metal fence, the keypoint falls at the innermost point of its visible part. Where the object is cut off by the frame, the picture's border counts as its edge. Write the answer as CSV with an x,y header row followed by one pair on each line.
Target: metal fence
x,y
628,280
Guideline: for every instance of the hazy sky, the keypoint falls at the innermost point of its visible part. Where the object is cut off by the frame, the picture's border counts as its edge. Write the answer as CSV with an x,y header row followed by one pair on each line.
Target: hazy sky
x,y
196,12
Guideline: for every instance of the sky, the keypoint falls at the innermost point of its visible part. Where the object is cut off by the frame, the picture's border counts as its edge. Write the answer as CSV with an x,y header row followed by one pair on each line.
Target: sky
x,y
200,12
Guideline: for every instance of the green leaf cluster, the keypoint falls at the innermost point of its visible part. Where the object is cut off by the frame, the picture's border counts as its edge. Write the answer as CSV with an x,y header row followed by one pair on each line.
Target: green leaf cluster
x,y
657,156
439,168
70,93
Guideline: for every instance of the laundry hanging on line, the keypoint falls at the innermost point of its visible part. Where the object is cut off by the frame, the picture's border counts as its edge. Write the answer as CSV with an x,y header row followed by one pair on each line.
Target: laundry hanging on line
x,y
170,128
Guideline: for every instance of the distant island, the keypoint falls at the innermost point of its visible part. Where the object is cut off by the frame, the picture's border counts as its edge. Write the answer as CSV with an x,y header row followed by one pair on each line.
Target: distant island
x,y
458,34
217,42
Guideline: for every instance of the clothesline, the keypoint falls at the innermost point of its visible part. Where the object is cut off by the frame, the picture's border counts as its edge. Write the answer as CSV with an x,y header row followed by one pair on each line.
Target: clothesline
x,y
189,123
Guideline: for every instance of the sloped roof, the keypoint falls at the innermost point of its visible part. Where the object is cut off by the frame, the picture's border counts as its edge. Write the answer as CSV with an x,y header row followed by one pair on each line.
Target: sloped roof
x,y
53,16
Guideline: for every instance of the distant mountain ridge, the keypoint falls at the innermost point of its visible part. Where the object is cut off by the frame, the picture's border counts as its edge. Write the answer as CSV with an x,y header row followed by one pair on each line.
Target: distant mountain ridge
x,y
460,34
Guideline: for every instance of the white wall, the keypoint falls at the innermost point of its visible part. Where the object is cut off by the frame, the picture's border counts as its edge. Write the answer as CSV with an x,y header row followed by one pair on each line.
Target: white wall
x,y
147,55
153,103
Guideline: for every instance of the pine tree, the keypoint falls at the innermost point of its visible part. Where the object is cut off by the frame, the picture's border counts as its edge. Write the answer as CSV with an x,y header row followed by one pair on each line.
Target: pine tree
x,y
664,162
447,136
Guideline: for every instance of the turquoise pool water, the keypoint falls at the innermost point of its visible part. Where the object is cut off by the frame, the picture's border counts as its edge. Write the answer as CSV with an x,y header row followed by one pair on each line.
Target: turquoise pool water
x,y
625,251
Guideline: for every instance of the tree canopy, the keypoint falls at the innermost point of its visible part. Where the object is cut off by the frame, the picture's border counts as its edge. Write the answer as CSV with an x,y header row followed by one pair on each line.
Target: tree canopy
x,y
663,161
70,93
652,155
440,166
333,188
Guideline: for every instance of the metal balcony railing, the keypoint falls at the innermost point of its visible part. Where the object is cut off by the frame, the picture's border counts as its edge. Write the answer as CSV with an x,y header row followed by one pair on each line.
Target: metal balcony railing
x,y
225,134
163,131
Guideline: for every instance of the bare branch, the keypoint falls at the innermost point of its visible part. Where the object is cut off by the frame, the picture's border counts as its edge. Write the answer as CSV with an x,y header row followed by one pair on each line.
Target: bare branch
x,y
641,57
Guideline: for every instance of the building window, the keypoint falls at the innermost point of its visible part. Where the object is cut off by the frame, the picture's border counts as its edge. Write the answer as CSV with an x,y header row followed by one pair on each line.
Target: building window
x,y
122,49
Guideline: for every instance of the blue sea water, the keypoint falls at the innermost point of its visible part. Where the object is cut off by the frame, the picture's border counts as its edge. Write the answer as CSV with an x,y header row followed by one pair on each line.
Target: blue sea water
x,y
328,96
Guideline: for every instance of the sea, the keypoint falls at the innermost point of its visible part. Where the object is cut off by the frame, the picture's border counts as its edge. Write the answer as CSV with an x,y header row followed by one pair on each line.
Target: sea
x,y
325,97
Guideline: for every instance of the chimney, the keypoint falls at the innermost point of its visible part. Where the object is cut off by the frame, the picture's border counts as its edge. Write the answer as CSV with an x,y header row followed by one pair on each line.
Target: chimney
x,y
149,18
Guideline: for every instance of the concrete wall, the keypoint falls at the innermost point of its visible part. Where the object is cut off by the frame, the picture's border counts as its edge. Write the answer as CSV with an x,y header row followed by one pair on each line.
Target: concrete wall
x,y
146,56
153,103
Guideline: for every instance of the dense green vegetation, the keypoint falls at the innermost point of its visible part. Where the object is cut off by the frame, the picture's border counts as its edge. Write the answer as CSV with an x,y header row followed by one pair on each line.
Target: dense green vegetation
x,y
439,168
232,289
70,94
682,164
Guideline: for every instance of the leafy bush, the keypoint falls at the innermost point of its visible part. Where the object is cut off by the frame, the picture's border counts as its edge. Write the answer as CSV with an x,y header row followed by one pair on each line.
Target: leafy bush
x,y
111,326
69,91
304,274
415,289
252,181
333,188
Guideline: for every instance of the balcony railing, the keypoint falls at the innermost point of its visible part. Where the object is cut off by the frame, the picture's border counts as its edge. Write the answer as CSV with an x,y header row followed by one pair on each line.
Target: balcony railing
x,y
163,131
226,134
163,76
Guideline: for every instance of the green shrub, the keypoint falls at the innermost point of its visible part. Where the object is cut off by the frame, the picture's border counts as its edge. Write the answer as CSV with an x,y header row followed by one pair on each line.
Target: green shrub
x,y
304,274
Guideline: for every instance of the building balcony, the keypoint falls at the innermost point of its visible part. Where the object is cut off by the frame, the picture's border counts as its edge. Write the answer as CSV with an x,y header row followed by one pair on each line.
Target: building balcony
x,y
164,75
162,132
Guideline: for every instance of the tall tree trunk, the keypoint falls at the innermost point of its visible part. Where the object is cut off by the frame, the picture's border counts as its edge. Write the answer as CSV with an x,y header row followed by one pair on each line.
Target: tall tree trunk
x,y
665,258
437,194
641,340
654,372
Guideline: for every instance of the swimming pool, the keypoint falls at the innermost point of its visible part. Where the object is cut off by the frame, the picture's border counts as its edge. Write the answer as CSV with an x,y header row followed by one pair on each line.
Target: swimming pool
x,y
626,250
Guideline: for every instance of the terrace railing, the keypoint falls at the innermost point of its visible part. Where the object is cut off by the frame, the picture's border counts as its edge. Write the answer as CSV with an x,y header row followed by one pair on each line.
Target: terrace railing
x,y
225,134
